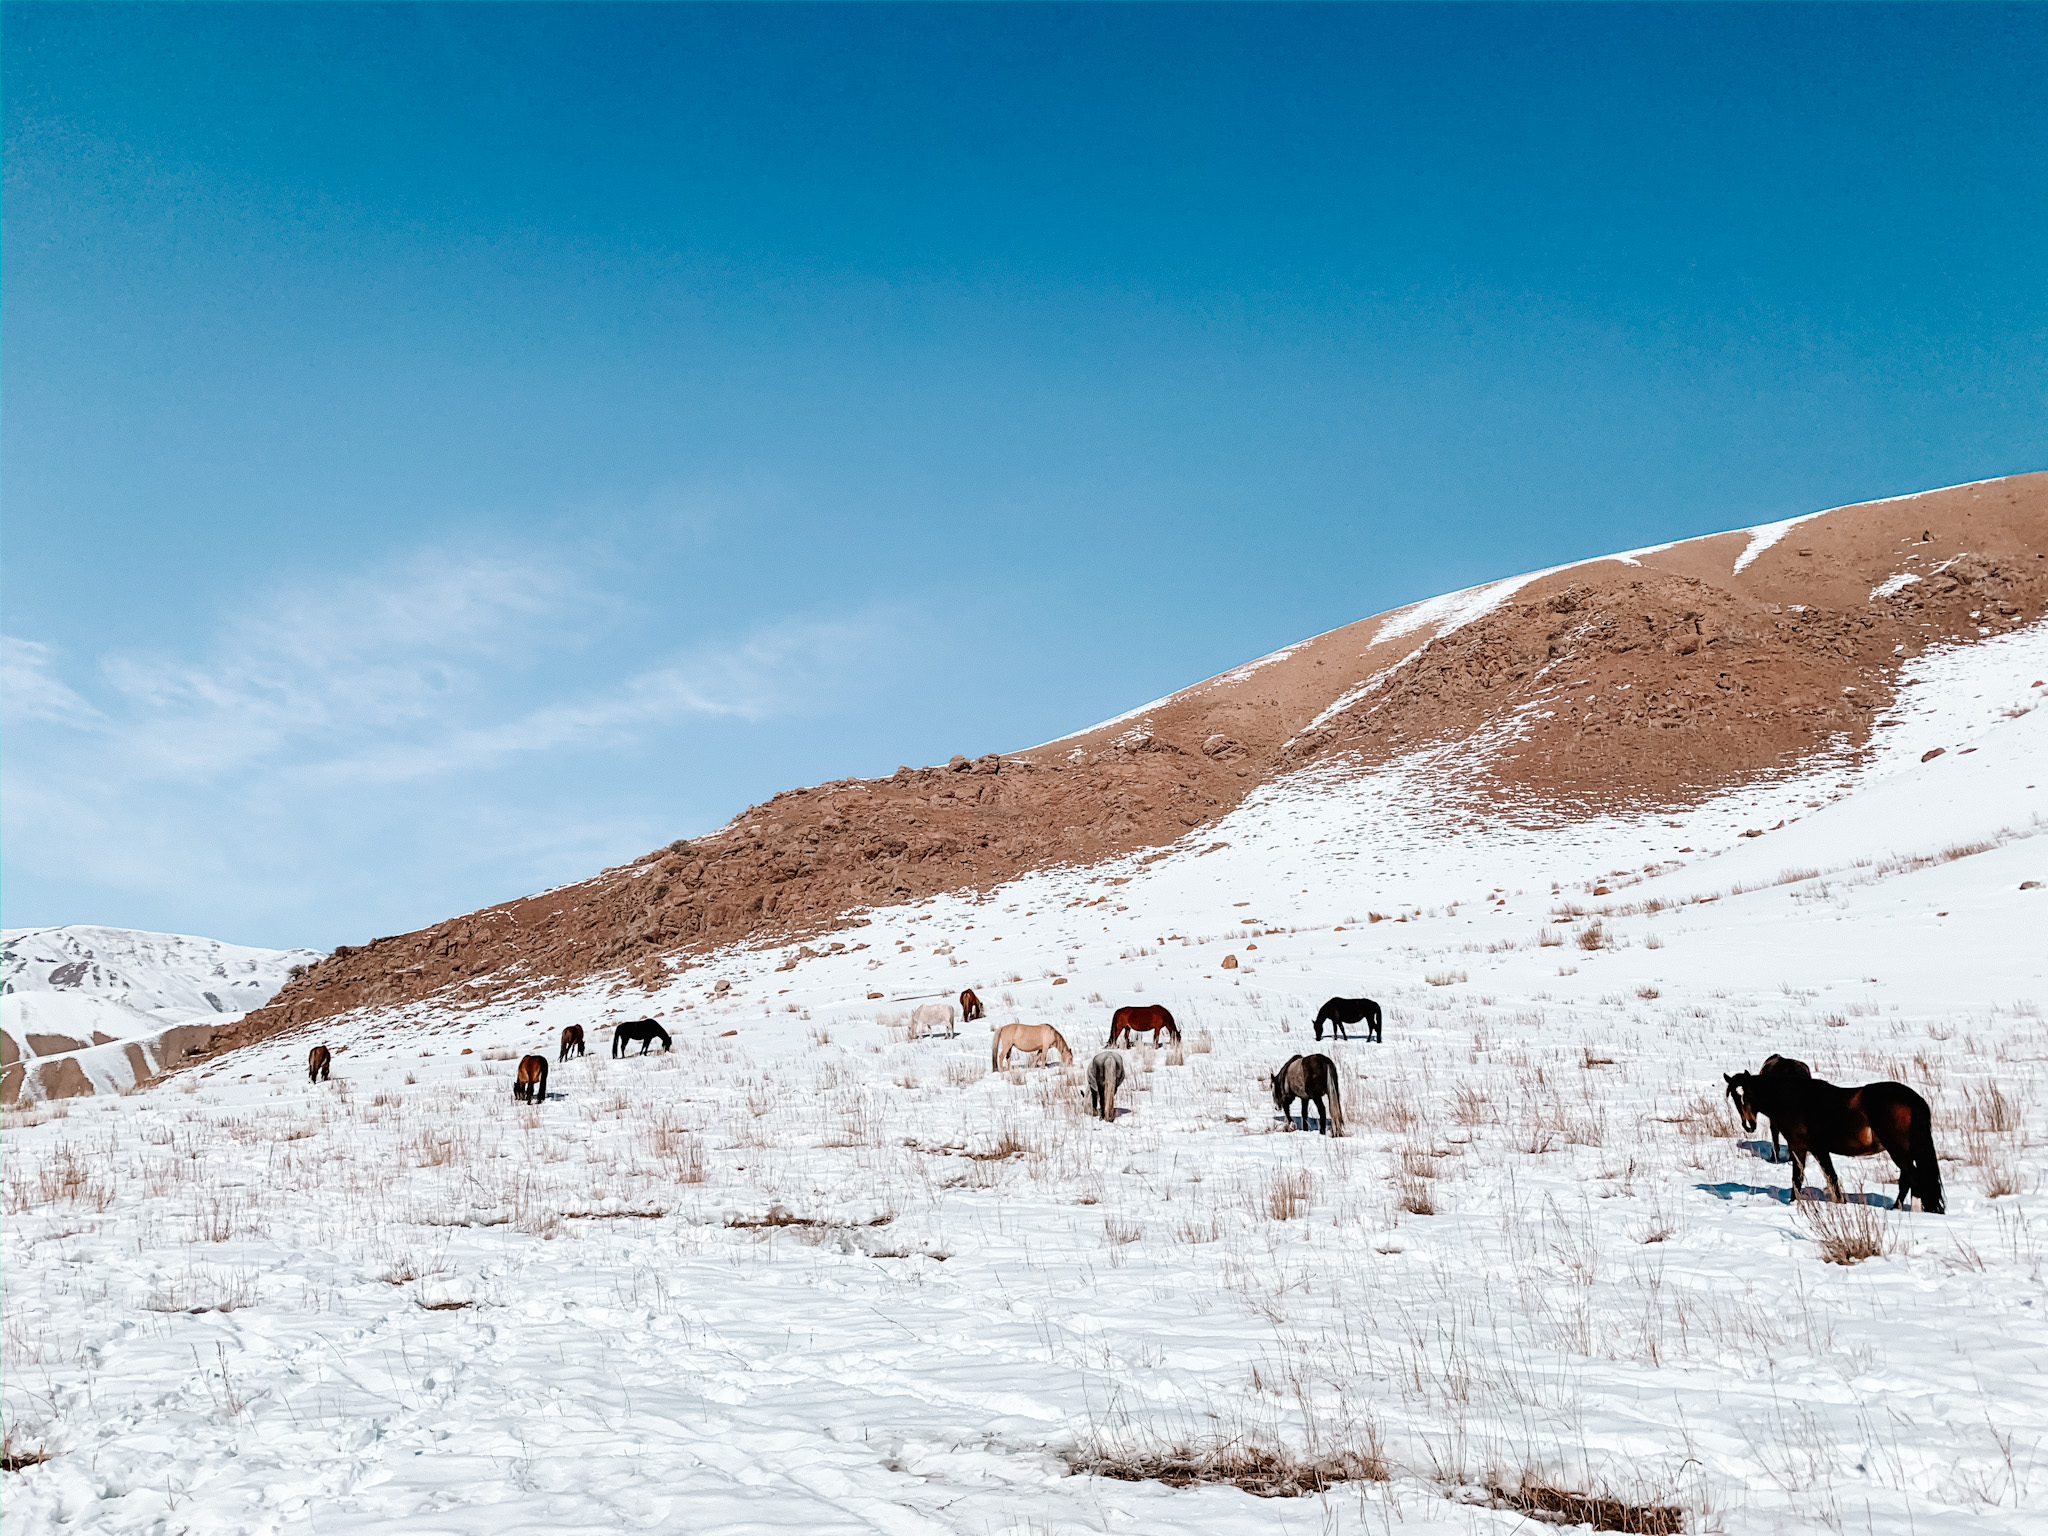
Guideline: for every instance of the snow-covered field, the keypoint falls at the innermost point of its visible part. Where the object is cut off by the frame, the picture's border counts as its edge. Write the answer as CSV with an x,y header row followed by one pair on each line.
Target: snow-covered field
x,y
805,1273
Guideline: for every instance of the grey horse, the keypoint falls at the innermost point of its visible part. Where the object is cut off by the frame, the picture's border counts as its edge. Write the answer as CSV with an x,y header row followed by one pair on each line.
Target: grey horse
x,y
1105,1075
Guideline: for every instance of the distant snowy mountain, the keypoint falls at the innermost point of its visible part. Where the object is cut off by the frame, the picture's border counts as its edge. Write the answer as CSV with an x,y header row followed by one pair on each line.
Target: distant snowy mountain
x,y
87,992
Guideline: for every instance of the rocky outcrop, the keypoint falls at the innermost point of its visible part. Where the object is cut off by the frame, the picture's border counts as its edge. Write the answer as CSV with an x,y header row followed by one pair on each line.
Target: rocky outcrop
x,y
1663,676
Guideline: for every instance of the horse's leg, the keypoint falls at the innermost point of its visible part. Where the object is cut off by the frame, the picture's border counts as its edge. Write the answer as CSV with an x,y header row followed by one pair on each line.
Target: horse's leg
x,y
1827,1167
1798,1157
1902,1154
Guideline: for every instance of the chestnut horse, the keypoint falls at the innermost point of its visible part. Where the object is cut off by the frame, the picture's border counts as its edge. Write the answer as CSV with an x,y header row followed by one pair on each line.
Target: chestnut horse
x,y
646,1031
1152,1019
531,1085
1821,1118
572,1040
318,1063
970,1007
1032,1039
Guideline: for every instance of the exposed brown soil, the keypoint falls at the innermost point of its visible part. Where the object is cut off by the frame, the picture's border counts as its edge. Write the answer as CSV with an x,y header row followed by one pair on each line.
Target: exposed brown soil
x,y
1728,675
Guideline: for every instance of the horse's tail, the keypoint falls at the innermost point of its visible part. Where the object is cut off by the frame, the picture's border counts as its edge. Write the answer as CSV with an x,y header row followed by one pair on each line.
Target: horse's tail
x,y
1926,1169
995,1052
1336,1102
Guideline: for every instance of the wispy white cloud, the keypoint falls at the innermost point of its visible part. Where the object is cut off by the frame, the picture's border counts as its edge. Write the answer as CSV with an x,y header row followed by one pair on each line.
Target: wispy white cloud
x,y
29,691
438,699
780,668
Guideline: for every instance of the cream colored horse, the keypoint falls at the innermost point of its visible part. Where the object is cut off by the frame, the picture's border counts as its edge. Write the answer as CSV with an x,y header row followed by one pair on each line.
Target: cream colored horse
x,y
929,1018
1032,1039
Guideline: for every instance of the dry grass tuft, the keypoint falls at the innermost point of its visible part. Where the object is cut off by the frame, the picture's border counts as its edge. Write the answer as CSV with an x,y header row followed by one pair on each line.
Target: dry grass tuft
x,y
1989,1108
1378,1105
1005,1143
1118,1230
1287,1194
19,1458
1593,936
1267,1471
1414,1194
1559,1506
1847,1233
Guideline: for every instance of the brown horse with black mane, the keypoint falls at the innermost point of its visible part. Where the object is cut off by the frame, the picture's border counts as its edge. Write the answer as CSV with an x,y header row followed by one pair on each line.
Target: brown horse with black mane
x,y
318,1064
970,1007
1152,1019
1821,1118
531,1085
1312,1080
1786,1068
572,1040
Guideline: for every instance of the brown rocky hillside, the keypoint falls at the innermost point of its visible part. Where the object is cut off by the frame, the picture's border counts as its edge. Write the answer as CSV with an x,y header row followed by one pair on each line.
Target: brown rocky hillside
x,y
1728,674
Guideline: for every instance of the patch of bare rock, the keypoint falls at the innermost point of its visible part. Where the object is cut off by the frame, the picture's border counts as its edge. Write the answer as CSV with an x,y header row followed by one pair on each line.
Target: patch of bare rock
x,y
1657,679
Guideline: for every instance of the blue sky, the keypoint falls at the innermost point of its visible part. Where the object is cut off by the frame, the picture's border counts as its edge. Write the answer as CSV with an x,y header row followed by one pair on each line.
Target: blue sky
x,y
450,449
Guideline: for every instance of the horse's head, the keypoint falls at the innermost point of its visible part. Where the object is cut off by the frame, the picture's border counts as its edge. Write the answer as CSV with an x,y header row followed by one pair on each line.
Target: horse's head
x,y
1739,1095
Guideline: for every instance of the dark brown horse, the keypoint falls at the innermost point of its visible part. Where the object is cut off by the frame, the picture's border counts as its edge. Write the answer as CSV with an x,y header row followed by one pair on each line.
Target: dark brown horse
x,y
1821,1118
1152,1019
970,1007
572,1040
531,1085
318,1063
1790,1069
1313,1080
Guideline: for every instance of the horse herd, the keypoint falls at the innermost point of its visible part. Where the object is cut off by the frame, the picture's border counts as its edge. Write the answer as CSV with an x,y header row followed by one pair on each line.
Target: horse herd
x,y
1811,1116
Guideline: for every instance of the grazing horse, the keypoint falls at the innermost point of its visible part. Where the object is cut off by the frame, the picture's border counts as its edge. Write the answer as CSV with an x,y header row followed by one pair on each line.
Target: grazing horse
x,y
1339,1011
646,1031
1821,1118
318,1063
1313,1080
1774,1068
1152,1019
1105,1075
572,1040
531,1085
970,1007
1031,1039
926,1017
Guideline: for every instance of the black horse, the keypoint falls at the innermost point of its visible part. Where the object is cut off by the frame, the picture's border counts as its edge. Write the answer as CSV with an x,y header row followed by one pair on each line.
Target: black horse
x,y
1823,1119
1339,1011
646,1031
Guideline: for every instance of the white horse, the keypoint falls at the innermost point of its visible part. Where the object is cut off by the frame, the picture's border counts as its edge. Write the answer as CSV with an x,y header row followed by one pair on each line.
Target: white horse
x,y
926,1017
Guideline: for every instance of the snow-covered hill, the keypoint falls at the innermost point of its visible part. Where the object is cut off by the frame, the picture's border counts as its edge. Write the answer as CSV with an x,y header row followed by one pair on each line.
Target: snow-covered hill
x,y
807,1272
85,993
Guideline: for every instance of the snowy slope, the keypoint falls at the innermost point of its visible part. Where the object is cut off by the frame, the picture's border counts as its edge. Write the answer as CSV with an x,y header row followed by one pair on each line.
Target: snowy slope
x,y
65,990
807,1273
